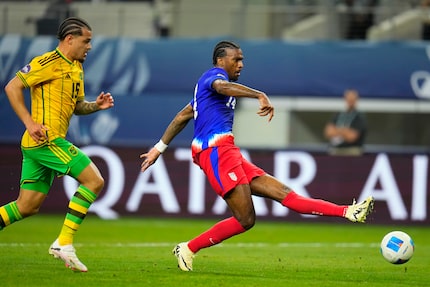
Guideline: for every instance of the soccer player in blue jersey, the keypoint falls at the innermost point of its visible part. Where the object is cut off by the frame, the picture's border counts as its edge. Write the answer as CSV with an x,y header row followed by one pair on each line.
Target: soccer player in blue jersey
x,y
231,176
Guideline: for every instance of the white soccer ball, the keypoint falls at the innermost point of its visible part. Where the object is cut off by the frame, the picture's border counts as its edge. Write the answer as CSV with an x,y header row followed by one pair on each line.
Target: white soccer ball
x,y
397,247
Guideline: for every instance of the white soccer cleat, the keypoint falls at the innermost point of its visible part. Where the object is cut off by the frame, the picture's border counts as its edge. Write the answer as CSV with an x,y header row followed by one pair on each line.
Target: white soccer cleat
x,y
68,255
358,212
185,256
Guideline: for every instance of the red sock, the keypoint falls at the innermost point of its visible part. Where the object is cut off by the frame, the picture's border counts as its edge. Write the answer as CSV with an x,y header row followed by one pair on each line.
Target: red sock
x,y
219,232
306,205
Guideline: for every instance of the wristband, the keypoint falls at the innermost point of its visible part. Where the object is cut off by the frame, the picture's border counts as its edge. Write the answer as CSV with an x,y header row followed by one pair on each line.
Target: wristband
x,y
161,146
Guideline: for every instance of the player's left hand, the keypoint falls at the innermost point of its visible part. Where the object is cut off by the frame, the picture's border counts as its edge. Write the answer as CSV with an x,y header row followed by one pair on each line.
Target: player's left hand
x,y
104,101
266,107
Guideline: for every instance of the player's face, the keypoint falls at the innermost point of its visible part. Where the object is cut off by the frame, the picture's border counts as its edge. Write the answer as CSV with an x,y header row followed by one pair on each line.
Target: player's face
x,y
81,45
232,63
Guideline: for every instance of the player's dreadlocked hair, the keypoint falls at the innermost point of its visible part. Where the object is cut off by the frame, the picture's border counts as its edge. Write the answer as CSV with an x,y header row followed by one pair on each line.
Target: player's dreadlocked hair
x,y
219,50
72,25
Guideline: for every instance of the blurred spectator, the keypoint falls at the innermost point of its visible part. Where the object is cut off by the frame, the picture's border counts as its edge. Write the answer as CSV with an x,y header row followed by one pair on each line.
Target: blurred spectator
x,y
55,13
425,30
360,18
346,132
163,17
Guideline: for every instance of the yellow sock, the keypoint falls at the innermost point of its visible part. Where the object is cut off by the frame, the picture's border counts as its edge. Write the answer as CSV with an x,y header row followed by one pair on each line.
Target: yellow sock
x,y
78,208
66,235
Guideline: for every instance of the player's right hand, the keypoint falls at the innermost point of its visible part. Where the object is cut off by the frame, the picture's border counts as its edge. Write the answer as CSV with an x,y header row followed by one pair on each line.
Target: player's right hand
x,y
37,132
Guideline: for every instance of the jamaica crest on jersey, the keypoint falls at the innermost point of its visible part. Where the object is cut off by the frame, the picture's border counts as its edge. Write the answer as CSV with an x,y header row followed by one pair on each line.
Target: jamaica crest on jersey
x,y
73,150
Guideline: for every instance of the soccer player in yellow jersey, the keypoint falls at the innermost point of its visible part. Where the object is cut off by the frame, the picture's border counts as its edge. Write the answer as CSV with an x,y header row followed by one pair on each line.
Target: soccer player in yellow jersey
x,y
56,83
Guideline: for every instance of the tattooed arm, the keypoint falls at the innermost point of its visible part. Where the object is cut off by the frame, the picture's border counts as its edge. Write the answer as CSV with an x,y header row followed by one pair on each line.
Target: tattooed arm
x,y
104,101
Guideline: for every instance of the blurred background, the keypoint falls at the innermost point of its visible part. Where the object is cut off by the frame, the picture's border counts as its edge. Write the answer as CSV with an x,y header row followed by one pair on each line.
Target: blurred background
x,y
302,53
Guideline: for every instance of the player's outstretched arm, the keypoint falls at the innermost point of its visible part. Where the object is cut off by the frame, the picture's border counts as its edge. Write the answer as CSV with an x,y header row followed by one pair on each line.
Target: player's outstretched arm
x,y
178,123
231,89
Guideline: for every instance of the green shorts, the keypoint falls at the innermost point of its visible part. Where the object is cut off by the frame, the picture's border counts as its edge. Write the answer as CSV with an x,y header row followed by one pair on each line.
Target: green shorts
x,y
40,165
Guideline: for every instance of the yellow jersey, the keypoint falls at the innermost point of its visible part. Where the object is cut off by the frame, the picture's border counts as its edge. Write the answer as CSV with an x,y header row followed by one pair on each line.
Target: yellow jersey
x,y
56,84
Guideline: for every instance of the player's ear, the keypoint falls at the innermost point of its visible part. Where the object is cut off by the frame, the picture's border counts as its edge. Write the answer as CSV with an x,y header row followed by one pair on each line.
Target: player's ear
x,y
69,38
220,61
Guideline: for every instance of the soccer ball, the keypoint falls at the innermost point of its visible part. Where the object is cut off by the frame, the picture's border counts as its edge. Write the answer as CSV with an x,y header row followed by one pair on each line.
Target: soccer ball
x,y
397,247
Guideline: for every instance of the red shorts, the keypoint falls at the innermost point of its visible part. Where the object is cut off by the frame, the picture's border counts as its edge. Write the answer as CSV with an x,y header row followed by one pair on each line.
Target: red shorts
x,y
226,168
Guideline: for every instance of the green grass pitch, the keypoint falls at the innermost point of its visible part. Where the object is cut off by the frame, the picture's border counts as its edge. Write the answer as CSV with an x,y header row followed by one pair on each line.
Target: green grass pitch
x,y
137,252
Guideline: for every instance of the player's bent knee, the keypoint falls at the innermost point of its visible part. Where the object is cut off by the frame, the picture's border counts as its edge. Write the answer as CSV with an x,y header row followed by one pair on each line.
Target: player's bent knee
x,y
101,182
98,183
93,181
247,223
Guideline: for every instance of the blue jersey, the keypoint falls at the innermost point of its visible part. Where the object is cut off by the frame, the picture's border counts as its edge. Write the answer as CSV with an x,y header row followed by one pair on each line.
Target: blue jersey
x,y
213,112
